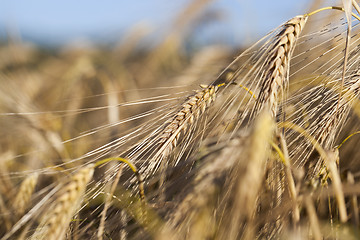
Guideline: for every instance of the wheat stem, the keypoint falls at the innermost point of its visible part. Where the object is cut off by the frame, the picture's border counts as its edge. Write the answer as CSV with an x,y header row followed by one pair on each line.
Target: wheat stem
x,y
331,8
330,160
290,179
314,221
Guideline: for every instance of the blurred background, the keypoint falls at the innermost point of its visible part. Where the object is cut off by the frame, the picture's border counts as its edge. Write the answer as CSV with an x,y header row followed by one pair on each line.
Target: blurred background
x,y
57,23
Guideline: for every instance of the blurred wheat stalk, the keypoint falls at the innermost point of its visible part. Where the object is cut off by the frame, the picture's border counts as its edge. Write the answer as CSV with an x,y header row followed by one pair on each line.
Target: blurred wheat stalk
x,y
256,153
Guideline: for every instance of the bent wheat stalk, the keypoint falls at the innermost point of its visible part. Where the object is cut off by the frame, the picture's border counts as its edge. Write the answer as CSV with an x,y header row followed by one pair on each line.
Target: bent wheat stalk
x,y
276,74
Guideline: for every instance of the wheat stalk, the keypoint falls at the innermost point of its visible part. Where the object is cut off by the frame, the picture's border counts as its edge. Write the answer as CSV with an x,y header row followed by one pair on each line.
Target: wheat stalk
x,y
276,74
25,191
56,220
249,175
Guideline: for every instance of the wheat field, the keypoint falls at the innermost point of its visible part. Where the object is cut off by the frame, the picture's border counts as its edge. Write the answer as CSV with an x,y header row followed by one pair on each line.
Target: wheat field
x,y
158,143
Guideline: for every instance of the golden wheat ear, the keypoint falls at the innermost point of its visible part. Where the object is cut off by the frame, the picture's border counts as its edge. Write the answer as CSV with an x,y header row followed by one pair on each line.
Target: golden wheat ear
x,y
191,110
57,218
278,64
23,197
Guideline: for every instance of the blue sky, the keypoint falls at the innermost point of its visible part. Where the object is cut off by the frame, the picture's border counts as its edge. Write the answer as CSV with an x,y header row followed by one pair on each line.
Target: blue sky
x,y
65,21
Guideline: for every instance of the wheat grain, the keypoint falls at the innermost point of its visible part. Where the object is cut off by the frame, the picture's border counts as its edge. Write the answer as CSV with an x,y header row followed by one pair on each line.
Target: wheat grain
x,y
276,78
56,220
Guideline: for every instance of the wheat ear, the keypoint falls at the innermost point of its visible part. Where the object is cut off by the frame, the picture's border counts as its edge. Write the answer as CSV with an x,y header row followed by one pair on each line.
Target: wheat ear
x,y
276,74
57,219
25,191
333,119
188,114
